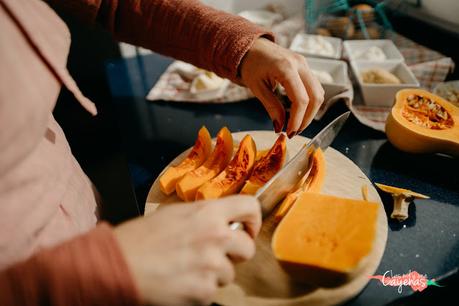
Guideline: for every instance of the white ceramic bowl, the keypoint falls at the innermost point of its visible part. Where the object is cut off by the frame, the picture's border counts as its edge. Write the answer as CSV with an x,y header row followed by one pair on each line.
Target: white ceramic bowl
x,y
383,94
338,71
261,17
301,38
353,49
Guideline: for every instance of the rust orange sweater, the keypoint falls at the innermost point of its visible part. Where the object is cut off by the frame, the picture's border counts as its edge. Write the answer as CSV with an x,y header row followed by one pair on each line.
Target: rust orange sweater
x,y
88,269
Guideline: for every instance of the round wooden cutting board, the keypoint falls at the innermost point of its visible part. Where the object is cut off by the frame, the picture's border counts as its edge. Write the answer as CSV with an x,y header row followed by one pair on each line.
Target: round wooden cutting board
x,y
262,281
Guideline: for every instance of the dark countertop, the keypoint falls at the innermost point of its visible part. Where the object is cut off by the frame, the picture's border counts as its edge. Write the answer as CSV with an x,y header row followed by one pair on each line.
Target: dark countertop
x,y
428,242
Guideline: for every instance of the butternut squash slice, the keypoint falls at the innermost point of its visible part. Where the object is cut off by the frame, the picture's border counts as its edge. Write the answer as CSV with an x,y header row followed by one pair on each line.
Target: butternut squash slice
x,y
197,156
311,182
188,185
421,122
268,164
233,177
323,239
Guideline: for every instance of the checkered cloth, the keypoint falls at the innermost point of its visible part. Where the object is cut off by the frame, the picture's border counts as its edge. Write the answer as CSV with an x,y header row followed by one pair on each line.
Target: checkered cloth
x,y
429,67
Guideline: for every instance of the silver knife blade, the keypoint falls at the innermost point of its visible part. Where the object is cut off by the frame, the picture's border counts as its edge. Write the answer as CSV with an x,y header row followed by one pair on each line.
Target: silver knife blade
x,y
284,180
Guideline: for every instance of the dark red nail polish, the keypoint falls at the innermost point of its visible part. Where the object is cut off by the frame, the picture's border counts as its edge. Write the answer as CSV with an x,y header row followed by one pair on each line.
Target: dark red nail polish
x,y
291,134
277,126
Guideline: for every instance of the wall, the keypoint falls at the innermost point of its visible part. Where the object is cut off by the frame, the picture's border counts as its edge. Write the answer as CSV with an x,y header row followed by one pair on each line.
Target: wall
x,y
444,9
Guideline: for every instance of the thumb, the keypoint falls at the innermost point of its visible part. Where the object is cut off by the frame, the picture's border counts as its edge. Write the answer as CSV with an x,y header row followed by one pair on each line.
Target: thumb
x,y
272,105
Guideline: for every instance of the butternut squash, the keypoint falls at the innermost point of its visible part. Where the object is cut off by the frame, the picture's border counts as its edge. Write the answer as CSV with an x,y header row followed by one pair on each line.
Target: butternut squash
x,y
421,122
267,165
233,177
199,153
311,182
188,185
322,239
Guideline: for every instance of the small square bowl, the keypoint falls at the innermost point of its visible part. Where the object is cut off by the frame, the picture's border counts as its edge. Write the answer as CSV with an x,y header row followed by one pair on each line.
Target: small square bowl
x,y
301,38
261,17
383,94
353,48
338,71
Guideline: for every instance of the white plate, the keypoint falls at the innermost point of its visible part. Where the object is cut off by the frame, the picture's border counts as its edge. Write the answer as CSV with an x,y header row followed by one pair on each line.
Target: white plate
x,y
262,17
337,69
383,94
353,49
301,38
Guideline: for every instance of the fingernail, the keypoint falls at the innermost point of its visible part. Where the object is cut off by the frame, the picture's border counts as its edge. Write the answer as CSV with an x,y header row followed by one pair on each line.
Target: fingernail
x,y
277,126
291,134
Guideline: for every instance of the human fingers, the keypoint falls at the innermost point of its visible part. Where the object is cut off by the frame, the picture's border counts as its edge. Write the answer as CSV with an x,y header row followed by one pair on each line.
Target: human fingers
x,y
296,92
272,105
242,208
315,93
240,247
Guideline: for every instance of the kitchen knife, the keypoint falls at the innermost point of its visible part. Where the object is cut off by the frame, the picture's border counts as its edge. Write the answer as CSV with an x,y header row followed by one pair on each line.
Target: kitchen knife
x,y
289,176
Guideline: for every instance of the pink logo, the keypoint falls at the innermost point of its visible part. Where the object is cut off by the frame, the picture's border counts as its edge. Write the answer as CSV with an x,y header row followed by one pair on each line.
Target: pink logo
x,y
416,281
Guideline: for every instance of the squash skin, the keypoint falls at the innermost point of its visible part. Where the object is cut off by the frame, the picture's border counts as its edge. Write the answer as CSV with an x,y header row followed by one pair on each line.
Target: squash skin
x,y
412,138
314,243
198,155
188,185
312,183
231,179
266,166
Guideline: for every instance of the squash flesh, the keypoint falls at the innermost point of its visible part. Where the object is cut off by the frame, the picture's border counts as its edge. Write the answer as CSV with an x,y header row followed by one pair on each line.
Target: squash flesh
x,y
199,153
267,165
323,238
414,129
233,177
312,182
188,185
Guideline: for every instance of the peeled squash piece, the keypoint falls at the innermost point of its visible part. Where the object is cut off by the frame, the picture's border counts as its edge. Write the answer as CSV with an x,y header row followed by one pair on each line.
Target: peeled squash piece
x,y
311,182
233,177
323,239
198,155
188,185
421,122
266,166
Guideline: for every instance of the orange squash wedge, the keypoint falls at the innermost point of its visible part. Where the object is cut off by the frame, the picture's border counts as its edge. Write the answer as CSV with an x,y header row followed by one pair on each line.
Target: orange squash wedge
x,y
188,185
266,166
311,182
233,177
198,155
421,122
323,239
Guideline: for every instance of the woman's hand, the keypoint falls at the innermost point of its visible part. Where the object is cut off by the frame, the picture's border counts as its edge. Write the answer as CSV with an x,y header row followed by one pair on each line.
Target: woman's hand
x,y
182,253
267,64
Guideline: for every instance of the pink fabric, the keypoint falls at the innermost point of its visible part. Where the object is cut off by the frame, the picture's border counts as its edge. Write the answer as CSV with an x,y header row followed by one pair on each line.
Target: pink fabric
x,y
45,197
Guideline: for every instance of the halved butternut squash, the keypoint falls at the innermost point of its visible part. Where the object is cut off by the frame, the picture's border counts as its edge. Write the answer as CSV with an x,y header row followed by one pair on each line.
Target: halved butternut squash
x,y
421,122
198,155
188,185
267,166
311,182
233,177
323,239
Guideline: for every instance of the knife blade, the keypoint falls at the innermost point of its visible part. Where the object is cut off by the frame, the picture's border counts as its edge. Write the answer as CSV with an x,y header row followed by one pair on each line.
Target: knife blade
x,y
288,177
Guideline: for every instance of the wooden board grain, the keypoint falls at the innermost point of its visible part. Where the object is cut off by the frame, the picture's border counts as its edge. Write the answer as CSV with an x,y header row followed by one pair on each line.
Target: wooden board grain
x,y
261,281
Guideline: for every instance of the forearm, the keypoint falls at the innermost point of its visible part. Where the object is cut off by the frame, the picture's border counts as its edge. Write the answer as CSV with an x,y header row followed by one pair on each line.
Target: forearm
x,y
186,30
88,270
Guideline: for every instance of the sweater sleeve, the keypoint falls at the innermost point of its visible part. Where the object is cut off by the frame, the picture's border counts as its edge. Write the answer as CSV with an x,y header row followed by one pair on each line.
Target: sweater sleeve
x,y
88,270
184,29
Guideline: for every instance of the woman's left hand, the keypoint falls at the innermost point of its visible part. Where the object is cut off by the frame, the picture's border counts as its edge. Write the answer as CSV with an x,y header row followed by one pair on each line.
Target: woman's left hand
x,y
264,66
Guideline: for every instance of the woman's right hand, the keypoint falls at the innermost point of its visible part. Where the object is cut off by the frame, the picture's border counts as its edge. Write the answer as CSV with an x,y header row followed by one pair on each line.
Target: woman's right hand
x,y
182,253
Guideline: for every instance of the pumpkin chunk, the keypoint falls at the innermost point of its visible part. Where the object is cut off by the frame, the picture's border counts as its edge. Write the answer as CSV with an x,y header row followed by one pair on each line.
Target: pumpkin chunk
x,y
311,182
233,177
266,166
197,156
323,238
188,185
421,122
